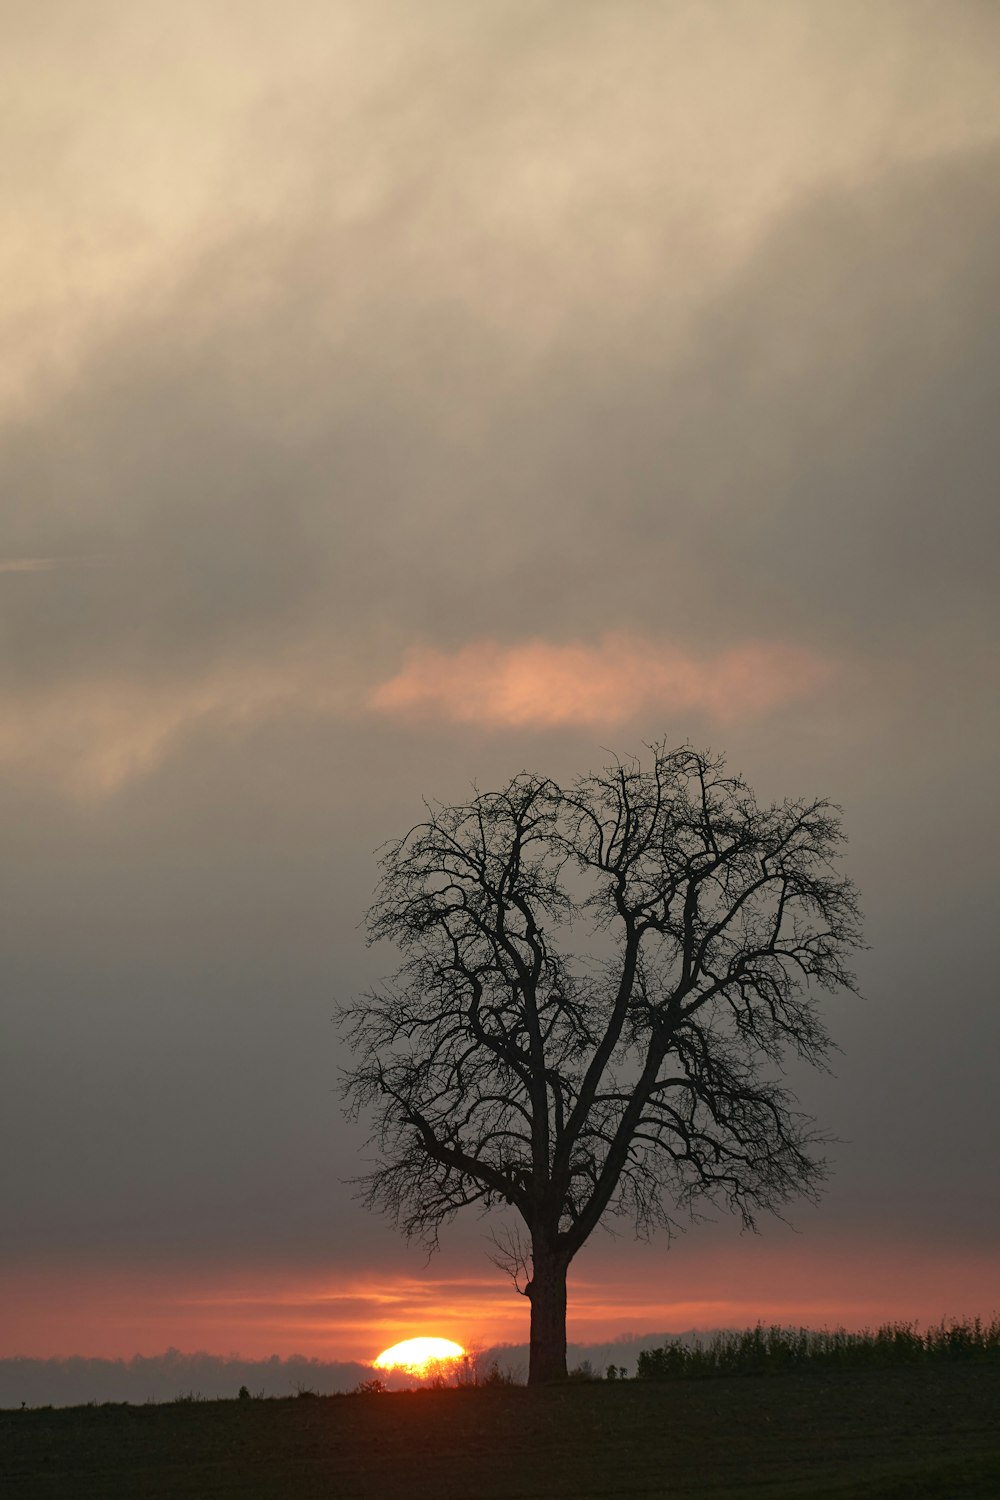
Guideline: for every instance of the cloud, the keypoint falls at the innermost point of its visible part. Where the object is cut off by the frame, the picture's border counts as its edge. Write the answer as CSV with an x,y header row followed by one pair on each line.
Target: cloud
x,y
804,454
95,735
542,685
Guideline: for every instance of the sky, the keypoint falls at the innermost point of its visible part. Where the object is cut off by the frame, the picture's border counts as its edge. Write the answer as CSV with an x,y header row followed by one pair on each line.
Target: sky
x,y
398,397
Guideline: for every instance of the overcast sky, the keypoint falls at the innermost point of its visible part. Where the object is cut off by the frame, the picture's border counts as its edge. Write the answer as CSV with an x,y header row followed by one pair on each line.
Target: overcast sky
x,y
395,396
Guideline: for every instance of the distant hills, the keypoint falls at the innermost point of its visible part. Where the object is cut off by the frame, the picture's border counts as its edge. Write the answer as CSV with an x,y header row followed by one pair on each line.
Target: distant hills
x,y
164,1377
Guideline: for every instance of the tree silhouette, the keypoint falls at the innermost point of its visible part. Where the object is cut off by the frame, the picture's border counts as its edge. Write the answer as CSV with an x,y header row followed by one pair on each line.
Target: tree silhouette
x,y
633,1078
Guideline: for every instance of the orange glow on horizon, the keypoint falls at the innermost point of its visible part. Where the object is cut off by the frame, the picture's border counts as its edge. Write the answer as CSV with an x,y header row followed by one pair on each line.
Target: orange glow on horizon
x,y
114,1312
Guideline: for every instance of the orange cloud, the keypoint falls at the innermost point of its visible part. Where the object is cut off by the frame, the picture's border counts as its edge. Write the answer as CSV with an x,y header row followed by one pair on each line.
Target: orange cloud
x,y
543,685
93,735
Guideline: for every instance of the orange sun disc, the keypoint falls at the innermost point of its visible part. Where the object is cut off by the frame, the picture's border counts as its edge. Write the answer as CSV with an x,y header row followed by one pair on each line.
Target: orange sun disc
x,y
418,1356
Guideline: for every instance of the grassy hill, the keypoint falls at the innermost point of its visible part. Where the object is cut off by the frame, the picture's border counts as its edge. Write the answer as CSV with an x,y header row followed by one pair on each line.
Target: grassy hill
x,y
897,1432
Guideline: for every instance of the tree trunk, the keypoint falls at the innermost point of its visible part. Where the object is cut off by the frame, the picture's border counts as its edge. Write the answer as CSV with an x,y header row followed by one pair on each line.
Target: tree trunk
x,y
547,1293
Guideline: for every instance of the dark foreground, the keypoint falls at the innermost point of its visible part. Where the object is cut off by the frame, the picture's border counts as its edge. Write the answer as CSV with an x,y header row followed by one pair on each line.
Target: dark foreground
x,y
895,1433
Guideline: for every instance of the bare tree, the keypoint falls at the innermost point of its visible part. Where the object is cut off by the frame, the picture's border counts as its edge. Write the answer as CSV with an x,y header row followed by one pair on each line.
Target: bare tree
x,y
503,1068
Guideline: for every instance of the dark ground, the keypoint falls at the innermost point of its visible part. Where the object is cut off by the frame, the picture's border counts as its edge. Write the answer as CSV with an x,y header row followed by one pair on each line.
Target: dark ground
x,y
901,1433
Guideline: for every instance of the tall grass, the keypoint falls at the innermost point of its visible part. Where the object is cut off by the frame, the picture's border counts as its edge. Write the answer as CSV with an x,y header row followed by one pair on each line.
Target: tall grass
x,y
763,1350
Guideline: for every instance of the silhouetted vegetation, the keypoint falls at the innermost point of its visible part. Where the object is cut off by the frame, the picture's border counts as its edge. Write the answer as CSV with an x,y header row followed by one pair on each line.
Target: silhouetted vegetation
x,y
769,1351
376,1386
503,1068
492,1375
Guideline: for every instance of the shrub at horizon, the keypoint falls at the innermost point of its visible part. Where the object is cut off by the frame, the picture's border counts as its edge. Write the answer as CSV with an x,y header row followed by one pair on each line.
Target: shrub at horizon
x,y
760,1350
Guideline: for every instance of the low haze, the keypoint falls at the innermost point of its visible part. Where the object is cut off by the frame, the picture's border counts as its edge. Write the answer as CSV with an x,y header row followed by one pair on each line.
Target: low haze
x,y
397,397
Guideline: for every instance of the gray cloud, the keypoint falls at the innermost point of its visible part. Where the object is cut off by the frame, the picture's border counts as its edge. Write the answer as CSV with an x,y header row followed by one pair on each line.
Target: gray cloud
x,y
821,439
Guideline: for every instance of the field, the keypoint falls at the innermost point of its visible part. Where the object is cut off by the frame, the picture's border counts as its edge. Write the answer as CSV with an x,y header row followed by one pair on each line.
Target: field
x,y
900,1432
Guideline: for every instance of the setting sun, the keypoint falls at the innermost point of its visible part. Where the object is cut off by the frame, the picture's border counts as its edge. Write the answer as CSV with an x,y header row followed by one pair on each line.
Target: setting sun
x,y
418,1356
